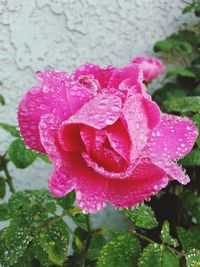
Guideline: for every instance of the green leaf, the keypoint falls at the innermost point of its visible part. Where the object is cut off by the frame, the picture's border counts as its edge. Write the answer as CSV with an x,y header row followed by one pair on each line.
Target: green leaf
x,y
44,157
67,201
181,71
10,128
188,9
155,255
80,220
191,204
53,239
142,216
193,258
16,242
4,212
96,244
197,10
164,45
39,253
2,187
2,100
192,159
166,237
189,238
24,261
183,104
184,47
123,251
20,155
196,120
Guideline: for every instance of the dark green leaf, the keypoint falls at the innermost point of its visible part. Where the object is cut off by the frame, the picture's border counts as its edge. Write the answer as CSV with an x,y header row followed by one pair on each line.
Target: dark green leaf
x,y
2,100
96,244
67,201
80,220
142,216
183,104
189,238
123,251
188,9
184,47
20,155
192,159
10,128
2,187
193,258
16,241
39,253
4,212
191,204
166,237
155,255
181,71
24,261
196,120
164,45
53,239
197,10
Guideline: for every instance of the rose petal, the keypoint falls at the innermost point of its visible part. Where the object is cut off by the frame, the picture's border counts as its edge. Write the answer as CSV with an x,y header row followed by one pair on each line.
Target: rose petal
x,y
119,139
56,94
90,190
61,182
131,72
98,113
101,75
173,138
173,170
145,181
141,115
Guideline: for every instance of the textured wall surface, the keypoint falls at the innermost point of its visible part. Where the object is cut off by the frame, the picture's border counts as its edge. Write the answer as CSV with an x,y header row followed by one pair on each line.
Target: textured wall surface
x,y
36,34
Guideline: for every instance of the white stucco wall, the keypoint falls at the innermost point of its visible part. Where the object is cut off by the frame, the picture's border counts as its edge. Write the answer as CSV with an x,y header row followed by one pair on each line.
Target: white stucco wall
x,y
35,34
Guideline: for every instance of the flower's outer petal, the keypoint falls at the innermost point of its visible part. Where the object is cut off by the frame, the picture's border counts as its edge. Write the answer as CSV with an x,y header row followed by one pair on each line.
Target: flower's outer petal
x,y
71,171
101,75
173,138
91,187
43,99
55,94
130,73
61,182
119,139
140,115
172,169
98,113
146,180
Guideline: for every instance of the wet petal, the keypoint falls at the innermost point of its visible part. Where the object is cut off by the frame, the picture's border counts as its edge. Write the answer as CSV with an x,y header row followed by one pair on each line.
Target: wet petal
x,y
129,75
119,139
145,181
101,75
46,98
140,115
61,182
173,170
173,138
98,113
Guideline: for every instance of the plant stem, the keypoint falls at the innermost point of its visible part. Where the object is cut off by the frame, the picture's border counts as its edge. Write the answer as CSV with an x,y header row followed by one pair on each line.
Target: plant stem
x,y
9,179
88,240
181,254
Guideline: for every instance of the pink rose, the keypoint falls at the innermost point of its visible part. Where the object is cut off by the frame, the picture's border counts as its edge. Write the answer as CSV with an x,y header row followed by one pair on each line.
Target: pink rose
x,y
152,67
105,136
